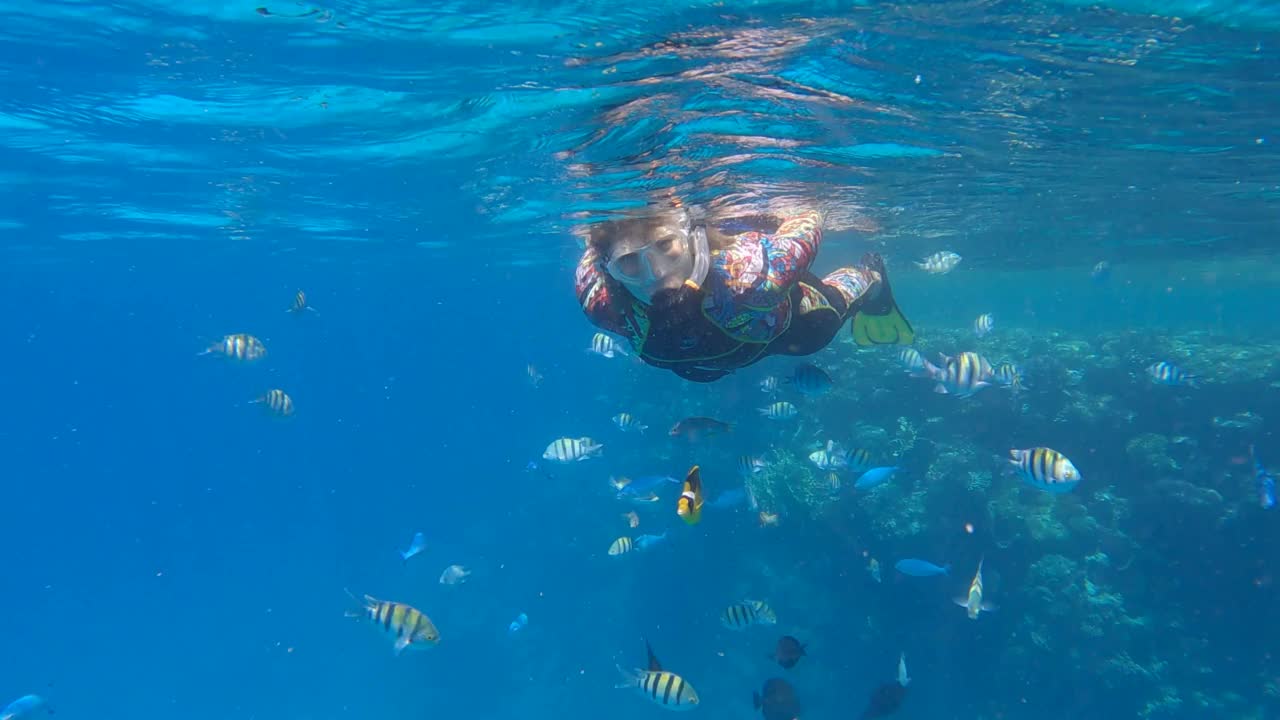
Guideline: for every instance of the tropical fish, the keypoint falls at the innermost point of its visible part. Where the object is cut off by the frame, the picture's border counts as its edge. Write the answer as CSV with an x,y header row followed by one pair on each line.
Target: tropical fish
x,y
983,325
911,360
660,686
689,506
769,385
788,652
1166,373
973,602
781,410
1009,375
749,465
644,542
940,263
903,679
962,376
531,372
694,429
740,616
884,701
626,422
411,627
875,476
810,380
859,460
768,519
621,546
454,575
778,700
1045,469
873,567
633,520
1266,482
300,304
518,624
567,450
23,707
606,346
415,546
920,568
641,486
239,346
276,401
730,498
830,457
1100,272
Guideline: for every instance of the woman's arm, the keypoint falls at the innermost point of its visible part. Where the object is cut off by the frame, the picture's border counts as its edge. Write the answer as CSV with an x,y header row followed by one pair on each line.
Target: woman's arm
x,y
598,294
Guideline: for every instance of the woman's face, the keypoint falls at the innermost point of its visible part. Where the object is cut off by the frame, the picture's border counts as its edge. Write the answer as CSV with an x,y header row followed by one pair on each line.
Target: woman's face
x,y
650,256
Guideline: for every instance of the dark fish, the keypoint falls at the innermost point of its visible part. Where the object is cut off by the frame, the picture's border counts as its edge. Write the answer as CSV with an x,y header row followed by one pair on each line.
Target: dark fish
x,y
779,701
884,701
810,379
789,652
696,428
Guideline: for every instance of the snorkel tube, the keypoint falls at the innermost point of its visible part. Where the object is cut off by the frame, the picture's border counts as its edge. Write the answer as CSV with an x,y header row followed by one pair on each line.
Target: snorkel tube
x,y
701,249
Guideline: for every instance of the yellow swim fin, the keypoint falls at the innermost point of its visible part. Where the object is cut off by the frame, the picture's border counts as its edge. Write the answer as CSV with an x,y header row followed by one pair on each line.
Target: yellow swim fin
x,y
880,322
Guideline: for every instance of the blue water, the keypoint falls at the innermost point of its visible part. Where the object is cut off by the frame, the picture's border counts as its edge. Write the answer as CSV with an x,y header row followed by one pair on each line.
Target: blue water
x,y
174,172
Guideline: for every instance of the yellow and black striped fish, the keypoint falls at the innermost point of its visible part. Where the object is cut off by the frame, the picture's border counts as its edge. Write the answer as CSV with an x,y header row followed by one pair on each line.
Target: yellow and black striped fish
x,y
962,375
277,401
659,686
1045,468
689,506
410,625
621,545
239,346
300,305
742,615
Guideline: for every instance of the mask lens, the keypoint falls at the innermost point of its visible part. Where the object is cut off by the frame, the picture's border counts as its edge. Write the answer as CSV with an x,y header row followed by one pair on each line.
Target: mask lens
x,y
627,265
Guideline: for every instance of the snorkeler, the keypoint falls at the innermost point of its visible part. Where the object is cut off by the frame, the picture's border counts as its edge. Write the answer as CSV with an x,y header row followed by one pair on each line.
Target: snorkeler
x,y
697,300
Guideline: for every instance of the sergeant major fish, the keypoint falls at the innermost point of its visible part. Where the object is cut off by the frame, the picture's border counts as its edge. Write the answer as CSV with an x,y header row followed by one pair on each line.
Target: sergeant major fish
x,y
810,380
240,346
1046,469
659,686
626,422
983,325
1166,373
605,346
962,375
743,615
940,263
300,304
781,410
276,401
567,450
410,626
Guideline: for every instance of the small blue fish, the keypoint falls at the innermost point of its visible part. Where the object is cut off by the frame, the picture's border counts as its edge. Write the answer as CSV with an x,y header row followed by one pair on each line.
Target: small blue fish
x,y
875,476
415,547
920,568
728,499
24,706
518,624
1266,483
642,485
644,542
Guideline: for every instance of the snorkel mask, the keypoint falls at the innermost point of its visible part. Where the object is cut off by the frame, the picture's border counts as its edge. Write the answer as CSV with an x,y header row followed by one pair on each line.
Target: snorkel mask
x,y
677,256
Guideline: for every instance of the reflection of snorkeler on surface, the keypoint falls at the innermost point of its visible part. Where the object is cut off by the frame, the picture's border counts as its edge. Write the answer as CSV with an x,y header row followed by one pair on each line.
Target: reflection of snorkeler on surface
x,y
703,303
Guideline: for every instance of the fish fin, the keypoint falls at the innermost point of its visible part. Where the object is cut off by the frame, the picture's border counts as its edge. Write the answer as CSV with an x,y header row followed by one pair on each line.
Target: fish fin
x,y
989,606
940,389
654,665
946,570
962,601
401,644
628,677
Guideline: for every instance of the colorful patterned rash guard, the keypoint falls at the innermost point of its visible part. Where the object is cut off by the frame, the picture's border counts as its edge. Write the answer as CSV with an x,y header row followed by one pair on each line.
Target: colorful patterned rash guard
x,y
758,299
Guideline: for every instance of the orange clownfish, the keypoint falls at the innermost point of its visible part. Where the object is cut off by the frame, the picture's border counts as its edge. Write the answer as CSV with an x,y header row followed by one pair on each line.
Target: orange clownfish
x,y
689,506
